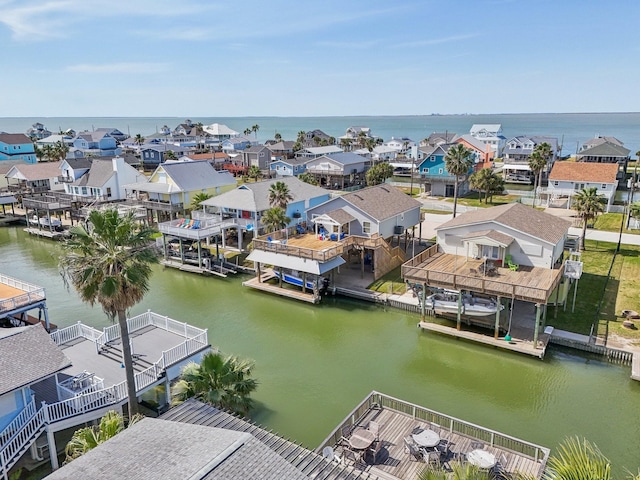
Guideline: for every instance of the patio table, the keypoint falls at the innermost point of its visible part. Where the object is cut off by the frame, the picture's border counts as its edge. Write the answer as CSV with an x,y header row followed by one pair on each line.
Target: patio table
x,y
361,439
426,438
481,458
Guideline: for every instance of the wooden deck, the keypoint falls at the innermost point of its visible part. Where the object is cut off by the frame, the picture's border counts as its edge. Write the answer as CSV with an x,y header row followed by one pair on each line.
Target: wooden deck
x,y
397,419
286,290
46,233
443,270
515,345
16,295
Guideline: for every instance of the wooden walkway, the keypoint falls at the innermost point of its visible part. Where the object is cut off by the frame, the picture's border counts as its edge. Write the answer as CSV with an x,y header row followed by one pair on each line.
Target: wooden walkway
x,y
286,290
185,267
46,233
515,345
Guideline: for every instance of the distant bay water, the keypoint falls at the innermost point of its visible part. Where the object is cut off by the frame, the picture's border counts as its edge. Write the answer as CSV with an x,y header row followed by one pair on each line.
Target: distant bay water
x,y
571,129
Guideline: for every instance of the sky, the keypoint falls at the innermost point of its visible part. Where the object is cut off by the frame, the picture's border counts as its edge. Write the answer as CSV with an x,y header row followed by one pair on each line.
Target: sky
x,y
191,58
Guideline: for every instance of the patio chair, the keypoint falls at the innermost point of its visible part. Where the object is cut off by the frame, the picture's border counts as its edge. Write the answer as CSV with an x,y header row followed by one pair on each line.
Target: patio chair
x,y
345,433
499,470
374,427
329,454
415,454
375,451
354,457
432,457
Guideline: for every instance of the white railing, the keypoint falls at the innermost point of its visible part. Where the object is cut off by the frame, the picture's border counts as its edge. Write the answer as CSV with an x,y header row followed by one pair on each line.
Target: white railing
x,y
138,322
17,423
67,334
148,376
20,285
85,402
22,438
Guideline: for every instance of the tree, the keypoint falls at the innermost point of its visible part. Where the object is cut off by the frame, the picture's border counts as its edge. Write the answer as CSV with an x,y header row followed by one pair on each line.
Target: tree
x,y
139,139
254,172
345,143
379,173
199,198
87,438
634,209
301,136
219,381
255,129
170,155
458,161
108,261
578,459
59,151
247,131
307,177
588,203
486,181
279,195
40,154
275,219
537,163
278,137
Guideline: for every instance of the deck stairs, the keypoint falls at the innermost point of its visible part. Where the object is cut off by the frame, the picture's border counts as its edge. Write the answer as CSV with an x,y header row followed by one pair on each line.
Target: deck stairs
x,y
19,435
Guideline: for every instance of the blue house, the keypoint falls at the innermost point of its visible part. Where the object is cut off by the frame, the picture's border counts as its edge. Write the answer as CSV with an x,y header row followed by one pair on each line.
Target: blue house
x,y
235,144
433,172
99,143
288,167
17,146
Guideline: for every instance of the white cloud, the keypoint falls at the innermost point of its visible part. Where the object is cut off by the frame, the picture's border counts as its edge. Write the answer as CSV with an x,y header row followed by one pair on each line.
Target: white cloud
x,y
133,67
435,41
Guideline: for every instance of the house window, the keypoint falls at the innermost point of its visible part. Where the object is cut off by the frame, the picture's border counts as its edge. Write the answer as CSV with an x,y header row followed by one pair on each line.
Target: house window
x,y
440,171
432,158
604,186
108,192
366,227
84,190
556,183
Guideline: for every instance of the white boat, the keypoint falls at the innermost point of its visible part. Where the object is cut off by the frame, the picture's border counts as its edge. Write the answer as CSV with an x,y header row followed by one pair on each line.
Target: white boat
x,y
294,279
446,301
44,222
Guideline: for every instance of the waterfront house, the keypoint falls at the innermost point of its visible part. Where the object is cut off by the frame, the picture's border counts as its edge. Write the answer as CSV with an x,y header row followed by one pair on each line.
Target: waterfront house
x,y
52,140
207,443
491,135
356,134
439,138
316,137
569,178
433,172
97,143
482,154
517,153
173,185
604,150
16,146
219,132
283,149
402,144
37,131
217,159
105,180
509,251
287,167
356,228
338,170
152,155
113,132
54,383
34,178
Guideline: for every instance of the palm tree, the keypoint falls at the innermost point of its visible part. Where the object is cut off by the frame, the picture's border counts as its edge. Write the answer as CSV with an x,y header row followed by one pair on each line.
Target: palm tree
x,y
537,163
255,129
307,177
279,195
60,150
87,438
345,143
459,471
458,161
220,381
275,219
139,139
254,172
199,198
278,137
108,261
580,460
300,137
170,155
634,209
40,155
588,203
378,173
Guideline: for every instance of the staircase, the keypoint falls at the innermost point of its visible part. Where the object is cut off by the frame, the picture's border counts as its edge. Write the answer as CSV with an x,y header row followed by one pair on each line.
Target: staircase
x,y
20,436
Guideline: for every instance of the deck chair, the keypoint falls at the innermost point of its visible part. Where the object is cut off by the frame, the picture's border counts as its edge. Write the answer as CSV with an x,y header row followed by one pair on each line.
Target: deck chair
x,y
353,457
374,451
329,454
415,454
513,267
180,222
269,239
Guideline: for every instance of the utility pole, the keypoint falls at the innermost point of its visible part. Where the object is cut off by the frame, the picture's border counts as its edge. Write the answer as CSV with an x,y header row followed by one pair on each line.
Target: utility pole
x,y
630,199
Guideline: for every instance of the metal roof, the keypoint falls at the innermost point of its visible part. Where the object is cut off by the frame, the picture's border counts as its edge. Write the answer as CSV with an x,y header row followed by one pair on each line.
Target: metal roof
x,y
295,263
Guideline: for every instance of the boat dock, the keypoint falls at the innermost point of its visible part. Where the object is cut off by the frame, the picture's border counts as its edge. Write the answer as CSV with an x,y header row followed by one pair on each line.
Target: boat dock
x,y
515,345
261,283
39,232
186,267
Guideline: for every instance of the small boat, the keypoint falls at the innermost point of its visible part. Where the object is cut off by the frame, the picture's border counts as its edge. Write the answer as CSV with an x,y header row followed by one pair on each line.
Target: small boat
x,y
294,279
446,301
44,222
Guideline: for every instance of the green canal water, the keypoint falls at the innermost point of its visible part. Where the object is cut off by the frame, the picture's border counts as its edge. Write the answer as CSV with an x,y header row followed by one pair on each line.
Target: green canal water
x,y
315,363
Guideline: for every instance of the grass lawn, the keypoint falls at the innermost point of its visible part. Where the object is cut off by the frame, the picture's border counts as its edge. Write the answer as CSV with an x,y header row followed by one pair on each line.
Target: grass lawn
x,y
437,212
620,293
390,283
610,222
473,200
414,192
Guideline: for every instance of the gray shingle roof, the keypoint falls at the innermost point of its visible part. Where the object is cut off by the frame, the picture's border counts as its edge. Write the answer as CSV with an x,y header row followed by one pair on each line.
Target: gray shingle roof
x,y
517,216
99,173
199,175
14,138
605,149
340,216
499,237
382,201
254,197
346,158
28,355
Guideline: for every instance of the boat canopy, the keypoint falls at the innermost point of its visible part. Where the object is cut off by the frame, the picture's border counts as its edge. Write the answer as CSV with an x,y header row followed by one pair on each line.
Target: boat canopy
x,y
295,263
